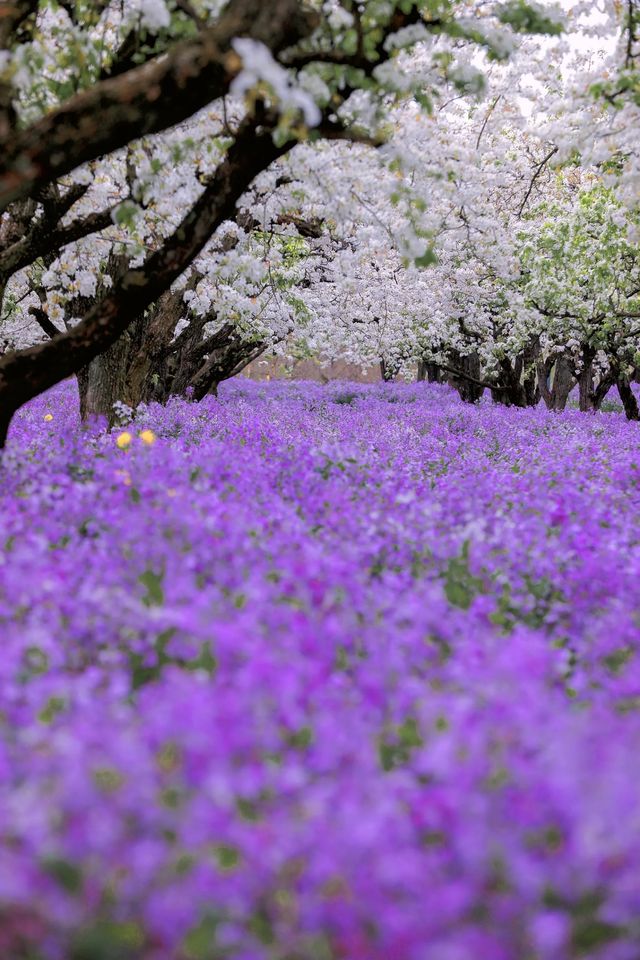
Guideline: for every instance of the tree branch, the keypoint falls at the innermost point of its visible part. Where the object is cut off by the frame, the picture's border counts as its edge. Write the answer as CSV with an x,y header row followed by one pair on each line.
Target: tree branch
x,y
144,100
42,317
538,170
486,119
359,60
41,240
467,376
26,373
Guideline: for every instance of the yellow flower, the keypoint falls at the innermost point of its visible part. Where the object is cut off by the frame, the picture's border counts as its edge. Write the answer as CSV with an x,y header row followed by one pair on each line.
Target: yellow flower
x,y
148,437
48,416
123,440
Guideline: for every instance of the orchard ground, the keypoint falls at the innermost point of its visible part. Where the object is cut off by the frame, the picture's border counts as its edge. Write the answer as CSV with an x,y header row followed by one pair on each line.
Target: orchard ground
x,y
342,672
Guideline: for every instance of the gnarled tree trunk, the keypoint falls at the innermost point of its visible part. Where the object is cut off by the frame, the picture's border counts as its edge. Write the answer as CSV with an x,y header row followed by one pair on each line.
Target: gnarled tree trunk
x,y
225,362
585,381
387,372
628,398
469,391
429,371
563,382
555,381
107,379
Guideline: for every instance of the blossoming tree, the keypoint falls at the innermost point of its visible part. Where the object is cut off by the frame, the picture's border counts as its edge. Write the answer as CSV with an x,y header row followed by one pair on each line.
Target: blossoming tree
x,y
84,90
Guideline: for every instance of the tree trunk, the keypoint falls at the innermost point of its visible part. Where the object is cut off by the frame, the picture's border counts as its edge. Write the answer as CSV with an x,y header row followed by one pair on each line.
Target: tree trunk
x,y
5,420
600,392
563,382
543,372
106,381
111,376
530,386
386,372
224,362
555,382
585,381
470,364
26,373
429,371
628,398
82,377
512,392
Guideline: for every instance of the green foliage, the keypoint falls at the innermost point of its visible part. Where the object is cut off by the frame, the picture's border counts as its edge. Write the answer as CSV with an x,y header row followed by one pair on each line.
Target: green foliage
x,y
428,258
108,940
126,215
396,745
347,398
152,582
460,586
65,873
200,943
525,17
581,264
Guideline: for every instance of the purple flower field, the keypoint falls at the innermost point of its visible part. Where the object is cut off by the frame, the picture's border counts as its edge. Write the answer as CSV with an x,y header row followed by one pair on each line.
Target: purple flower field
x,y
321,673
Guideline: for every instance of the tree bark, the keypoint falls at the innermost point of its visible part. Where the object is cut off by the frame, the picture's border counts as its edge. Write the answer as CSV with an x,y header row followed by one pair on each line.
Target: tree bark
x,y
107,380
563,382
385,373
599,393
224,361
585,381
628,399
5,421
26,373
511,393
543,372
429,371
530,386
469,391
145,100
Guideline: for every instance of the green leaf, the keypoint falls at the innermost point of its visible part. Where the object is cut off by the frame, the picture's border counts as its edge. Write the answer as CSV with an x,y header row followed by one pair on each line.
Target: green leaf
x,y
428,258
65,873
152,581
523,17
460,586
126,214
200,943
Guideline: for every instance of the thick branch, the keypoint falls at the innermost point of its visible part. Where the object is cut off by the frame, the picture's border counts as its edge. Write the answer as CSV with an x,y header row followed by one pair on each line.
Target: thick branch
x,y
338,130
16,223
143,101
42,318
242,364
42,240
467,376
26,373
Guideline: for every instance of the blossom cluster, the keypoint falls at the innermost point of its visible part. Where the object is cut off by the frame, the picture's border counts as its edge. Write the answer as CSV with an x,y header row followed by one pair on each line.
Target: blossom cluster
x,y
340,672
